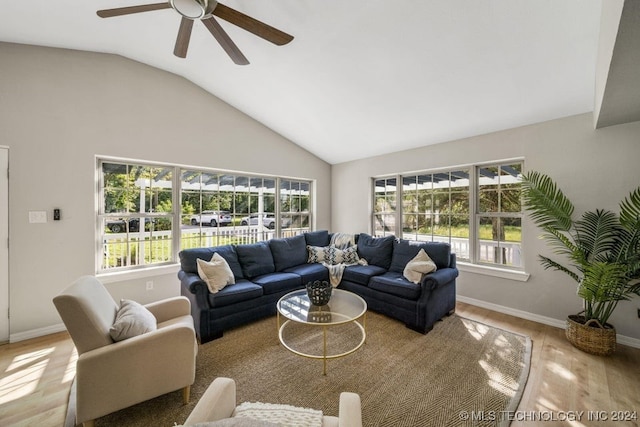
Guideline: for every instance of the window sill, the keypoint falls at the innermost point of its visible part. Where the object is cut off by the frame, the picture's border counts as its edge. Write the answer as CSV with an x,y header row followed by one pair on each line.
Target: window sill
x,y
503,273
140,273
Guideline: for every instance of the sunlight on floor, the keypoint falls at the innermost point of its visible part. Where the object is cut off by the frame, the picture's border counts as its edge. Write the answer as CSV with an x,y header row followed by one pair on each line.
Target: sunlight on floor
x,y
498,380
477,330
23,375
70,372
560,371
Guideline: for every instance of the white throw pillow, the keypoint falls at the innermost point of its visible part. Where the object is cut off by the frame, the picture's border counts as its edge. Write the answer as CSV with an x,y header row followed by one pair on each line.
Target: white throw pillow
x,y
421,264
216,273
132,319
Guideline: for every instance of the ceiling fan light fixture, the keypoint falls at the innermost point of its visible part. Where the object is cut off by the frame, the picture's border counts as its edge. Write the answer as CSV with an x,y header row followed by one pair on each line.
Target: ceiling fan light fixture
x,y
194,9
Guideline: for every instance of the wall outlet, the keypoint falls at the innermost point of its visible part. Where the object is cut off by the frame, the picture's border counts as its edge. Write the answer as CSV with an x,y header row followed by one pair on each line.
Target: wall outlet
x,y
150,285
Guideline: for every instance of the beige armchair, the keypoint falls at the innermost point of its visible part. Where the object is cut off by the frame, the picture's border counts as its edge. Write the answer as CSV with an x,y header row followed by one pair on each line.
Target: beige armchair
x,y
219,402
114,375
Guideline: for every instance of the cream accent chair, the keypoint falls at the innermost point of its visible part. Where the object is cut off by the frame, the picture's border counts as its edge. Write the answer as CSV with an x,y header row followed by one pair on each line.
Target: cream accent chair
x,y
219,401
114,375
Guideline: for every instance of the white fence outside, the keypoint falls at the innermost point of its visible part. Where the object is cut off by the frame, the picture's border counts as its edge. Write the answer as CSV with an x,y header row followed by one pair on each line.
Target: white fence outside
x,y
158,247
512,251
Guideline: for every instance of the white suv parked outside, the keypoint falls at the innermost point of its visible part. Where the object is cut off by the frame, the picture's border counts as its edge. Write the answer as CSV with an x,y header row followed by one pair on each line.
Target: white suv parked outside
x,y
212,218
268,220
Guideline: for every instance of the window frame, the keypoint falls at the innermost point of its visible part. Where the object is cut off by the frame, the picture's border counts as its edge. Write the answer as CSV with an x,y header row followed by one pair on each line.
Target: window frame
x,y
176,214
474,263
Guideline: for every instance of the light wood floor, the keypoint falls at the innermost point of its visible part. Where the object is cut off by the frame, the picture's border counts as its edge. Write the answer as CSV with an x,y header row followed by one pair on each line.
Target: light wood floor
x,y
36,375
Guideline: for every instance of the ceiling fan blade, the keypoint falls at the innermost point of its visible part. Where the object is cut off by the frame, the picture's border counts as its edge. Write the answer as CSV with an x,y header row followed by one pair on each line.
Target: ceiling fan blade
x,y
109,13
184,35
225,41
252,25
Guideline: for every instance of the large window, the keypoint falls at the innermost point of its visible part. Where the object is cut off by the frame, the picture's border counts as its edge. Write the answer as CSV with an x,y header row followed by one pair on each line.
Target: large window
x,y
476,209
147,213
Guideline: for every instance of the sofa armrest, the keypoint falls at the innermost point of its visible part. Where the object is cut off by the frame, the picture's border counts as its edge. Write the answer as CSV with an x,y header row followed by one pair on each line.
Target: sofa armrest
x,y
350,412
218,402
438,278
192,282
169,308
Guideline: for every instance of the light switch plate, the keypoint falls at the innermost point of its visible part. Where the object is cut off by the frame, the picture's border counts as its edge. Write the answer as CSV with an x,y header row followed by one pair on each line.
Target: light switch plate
x,y
36,217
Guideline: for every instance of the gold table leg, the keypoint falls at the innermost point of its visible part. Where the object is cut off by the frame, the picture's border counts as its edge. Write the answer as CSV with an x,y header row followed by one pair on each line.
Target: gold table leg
x,y
324,350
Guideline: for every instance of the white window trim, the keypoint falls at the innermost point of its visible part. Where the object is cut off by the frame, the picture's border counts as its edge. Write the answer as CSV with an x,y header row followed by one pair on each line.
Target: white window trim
x,y
172,266
474,265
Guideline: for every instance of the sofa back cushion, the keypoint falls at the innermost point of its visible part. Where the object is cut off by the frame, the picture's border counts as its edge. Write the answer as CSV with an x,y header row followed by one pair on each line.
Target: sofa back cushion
x,y
405,250
189,264
256,259
376,250
288,252
317,238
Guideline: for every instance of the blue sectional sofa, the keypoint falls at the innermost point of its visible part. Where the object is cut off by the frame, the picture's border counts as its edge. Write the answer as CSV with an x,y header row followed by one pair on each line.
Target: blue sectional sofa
x,y
266,271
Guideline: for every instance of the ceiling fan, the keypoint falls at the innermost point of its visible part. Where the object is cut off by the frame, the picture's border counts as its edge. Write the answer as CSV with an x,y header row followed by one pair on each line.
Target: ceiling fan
x,y
204,10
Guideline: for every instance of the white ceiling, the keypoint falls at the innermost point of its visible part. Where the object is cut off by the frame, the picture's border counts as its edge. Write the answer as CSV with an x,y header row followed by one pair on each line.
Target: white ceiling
x,y
362,77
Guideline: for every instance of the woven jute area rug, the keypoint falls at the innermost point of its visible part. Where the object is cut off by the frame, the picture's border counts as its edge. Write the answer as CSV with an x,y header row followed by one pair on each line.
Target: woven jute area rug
x,y
403,378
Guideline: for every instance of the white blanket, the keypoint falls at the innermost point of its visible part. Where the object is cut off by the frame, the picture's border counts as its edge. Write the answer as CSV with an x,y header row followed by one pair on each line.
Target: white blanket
x,y
283,415
341,241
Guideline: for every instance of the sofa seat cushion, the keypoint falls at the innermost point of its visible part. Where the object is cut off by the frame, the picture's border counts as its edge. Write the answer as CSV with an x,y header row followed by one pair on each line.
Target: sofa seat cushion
x,y
376,250
189,257
361,274
288,252
309,272
256,259
395,284
242,290
278,282
405,250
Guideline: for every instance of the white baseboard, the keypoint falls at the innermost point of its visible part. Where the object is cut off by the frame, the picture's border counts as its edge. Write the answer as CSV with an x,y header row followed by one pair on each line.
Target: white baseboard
x,y
621,339
35,333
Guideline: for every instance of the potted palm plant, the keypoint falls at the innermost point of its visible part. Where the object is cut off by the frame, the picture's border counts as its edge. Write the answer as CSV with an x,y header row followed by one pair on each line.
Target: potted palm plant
x,y
600,250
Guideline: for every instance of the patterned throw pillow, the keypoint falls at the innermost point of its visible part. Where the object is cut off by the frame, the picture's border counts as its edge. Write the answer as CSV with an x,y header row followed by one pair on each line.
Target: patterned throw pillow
x,y
335,256
316,254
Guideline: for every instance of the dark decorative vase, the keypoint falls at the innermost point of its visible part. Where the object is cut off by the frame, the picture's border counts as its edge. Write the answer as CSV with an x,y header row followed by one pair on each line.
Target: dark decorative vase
x,y
319,292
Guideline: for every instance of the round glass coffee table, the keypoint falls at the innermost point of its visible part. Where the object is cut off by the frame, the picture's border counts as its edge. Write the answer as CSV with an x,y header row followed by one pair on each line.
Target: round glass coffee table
x,y
322,332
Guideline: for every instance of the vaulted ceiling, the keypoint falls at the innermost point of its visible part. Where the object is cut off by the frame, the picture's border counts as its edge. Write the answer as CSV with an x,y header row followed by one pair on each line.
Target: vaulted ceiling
x,y
361,77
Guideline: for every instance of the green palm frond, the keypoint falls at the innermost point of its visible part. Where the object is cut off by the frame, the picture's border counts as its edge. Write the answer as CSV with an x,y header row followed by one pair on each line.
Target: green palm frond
x,y
562,244
548,263
548,206
596,234
630,211
603,282
602,248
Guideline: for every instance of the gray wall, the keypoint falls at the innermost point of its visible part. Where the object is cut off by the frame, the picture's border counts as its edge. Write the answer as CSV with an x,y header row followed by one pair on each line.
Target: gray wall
x,y
61,108
595,169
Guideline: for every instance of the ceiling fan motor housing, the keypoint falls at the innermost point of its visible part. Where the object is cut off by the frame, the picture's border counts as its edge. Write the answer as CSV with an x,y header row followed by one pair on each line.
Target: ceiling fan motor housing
x,y
194,9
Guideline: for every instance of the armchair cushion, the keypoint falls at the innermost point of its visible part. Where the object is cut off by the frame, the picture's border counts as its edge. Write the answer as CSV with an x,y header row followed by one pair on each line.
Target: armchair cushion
x,y
132,319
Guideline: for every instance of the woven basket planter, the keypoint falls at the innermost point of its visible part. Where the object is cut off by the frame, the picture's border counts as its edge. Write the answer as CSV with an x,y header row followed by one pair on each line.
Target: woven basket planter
x,y
591,337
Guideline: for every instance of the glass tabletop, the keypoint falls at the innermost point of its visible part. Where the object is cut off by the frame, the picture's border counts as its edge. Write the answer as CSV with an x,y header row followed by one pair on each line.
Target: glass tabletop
x,y
344,306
